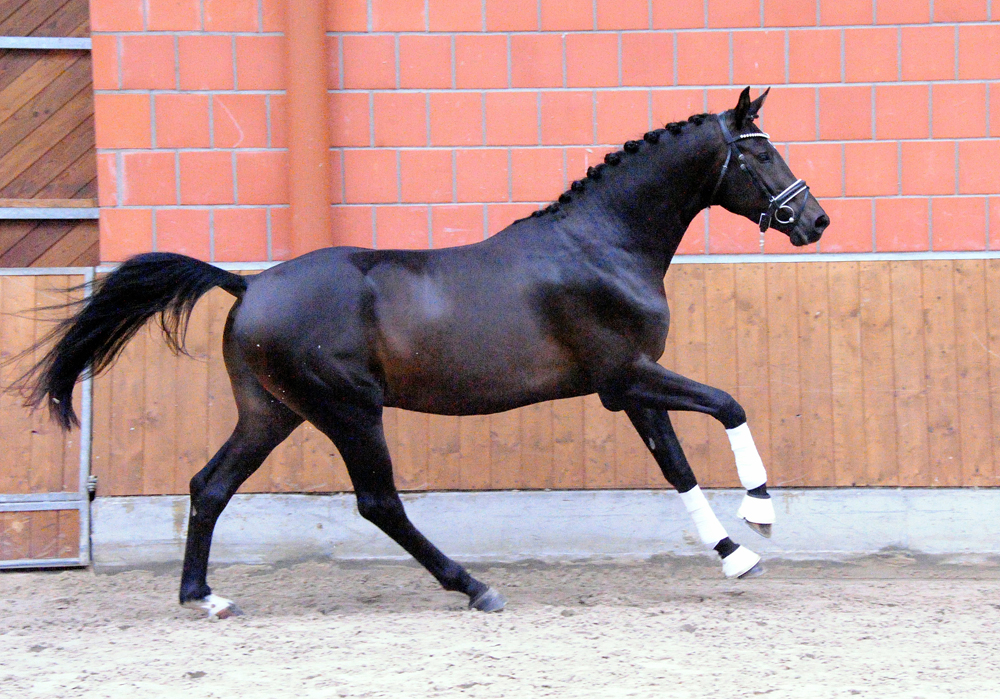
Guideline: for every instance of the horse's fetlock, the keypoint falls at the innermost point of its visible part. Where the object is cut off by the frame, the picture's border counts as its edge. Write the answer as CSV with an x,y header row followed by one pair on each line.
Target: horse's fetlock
x,y
454,578
197,591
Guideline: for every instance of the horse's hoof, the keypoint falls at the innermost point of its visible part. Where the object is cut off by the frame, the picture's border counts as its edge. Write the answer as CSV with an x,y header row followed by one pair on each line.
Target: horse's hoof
x,y
214,607
230,611
488,601
758,513
763,529
741,563
754,572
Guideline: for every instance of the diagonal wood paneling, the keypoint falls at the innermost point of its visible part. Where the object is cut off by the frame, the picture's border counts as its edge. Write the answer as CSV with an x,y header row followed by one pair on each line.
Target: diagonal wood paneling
x,y
44,18
62,243
46,134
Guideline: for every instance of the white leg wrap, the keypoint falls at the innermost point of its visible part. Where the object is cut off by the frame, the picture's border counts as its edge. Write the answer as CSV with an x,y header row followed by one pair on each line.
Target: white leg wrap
x,y
739,562
710,530
748,462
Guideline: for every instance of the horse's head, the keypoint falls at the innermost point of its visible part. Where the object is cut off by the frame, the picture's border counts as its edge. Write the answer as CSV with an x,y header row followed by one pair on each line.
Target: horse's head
x,y
755,181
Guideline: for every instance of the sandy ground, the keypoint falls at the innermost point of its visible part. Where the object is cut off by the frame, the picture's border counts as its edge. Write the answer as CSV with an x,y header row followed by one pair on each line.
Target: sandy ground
x,y
888,626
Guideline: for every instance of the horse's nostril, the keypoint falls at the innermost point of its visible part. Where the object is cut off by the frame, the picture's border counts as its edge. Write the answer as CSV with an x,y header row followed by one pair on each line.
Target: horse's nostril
x,y
822,222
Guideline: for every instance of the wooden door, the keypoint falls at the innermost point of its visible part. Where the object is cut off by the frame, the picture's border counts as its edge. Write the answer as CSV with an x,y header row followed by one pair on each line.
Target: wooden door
x,y
44,503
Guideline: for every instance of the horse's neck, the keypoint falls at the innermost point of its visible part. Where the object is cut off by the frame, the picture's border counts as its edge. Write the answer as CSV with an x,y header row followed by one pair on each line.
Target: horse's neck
x,y
654,202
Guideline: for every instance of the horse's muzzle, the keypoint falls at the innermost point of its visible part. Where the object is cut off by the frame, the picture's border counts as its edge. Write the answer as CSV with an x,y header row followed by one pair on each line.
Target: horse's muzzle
x,y
800,237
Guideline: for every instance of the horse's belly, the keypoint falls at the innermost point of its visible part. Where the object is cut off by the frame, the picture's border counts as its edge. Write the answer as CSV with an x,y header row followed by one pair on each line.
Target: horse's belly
x,y
464,387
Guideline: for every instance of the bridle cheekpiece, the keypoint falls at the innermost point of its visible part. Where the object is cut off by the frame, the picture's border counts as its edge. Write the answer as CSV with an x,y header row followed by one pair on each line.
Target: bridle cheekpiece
x,y
778,210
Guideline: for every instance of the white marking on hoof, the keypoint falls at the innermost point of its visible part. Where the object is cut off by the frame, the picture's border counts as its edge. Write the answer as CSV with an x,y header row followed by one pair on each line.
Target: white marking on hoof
x,y
489,601
740,562
215,607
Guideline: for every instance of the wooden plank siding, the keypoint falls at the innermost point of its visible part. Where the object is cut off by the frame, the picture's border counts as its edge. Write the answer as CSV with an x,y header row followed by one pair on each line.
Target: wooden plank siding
x,y
37,456
852,374
44,18
47,153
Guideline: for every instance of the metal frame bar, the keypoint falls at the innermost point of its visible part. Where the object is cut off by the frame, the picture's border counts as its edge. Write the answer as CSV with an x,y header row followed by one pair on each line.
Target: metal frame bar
x,y
229,266
51,43
46,271
21,498
41,506
41,213
86,437
42,563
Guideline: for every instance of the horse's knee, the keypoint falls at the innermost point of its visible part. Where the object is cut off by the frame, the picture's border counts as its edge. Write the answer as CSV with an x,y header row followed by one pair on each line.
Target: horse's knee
x,y
198,483
380,509
728,411
208,502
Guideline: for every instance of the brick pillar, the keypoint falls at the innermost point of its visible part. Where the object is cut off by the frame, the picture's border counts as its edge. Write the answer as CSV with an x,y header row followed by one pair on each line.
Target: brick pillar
x,y
308,130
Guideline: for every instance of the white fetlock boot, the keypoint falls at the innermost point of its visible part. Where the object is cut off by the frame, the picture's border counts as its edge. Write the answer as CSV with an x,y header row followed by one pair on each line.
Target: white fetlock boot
x,y
742,563
758,513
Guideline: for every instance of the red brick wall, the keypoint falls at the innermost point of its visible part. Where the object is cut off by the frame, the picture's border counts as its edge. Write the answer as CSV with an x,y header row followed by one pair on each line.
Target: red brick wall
x,y
451,118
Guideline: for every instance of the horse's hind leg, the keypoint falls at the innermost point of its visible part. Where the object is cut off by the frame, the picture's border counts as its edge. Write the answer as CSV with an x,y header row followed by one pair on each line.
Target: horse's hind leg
x,y
263,424
358,435
658,434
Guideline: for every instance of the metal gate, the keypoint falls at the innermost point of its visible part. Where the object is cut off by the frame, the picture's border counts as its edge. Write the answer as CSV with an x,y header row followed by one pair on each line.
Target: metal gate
x,y
44,472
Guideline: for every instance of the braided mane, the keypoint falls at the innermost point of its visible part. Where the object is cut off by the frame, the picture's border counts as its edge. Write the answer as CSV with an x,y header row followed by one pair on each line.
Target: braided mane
x,y
594,173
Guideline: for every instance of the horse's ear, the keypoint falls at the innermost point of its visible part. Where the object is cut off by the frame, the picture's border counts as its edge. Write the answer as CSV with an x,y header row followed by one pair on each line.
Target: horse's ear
x,y
754,111
742,107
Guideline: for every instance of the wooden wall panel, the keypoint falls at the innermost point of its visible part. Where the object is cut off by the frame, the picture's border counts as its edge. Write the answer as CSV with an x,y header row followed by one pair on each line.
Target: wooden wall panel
x,y
815,370
40,534
37,456
44,18
782,359
722,358
852,373
47,153
973,370
689,327
877,375
847,422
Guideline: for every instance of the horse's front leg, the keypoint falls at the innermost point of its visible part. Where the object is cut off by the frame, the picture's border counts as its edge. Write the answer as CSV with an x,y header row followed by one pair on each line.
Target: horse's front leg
x,y
652,386
654,427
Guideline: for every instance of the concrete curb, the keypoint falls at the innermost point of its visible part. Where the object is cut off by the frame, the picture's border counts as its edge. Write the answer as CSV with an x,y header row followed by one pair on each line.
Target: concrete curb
x,y
552,525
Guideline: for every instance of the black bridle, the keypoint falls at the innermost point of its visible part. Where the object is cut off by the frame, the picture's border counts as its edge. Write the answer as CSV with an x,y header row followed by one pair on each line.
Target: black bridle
x,y
778,210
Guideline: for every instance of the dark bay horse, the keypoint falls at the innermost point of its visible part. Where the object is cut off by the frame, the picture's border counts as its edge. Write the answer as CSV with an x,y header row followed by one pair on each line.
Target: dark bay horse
x,y
567,302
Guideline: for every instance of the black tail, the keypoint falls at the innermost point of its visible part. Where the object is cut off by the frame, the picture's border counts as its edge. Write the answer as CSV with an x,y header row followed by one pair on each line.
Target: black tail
x,y
121,303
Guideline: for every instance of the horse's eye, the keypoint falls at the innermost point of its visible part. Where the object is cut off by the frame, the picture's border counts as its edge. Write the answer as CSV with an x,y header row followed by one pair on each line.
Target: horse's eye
x,y
764,157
